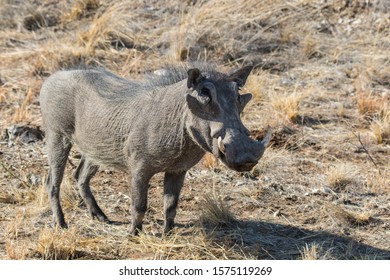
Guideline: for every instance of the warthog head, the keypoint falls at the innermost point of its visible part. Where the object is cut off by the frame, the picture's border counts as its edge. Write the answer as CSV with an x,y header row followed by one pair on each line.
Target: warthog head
x,y
216,105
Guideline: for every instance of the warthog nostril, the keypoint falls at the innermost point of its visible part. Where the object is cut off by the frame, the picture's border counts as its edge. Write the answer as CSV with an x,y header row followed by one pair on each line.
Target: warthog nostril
x,y
245,166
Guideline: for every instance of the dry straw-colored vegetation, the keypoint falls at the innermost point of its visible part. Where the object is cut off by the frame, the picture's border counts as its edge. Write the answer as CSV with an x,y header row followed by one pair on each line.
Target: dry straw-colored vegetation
x,y
321,82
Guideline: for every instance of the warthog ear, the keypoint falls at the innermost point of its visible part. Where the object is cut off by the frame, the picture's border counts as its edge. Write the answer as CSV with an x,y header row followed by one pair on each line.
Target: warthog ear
x,y
243,100
241,75
194,77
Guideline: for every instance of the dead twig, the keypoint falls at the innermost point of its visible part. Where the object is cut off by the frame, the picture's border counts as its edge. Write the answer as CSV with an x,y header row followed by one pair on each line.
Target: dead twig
x,y
366,150
12,174
362,146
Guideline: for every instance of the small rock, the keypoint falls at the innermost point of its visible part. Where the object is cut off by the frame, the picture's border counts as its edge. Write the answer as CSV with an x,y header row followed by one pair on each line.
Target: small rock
x,y
204,172
26,134
34,180
240,184
277,213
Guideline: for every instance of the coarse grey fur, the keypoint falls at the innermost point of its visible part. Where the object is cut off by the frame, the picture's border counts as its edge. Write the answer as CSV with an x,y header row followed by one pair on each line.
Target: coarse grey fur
x,y
164,123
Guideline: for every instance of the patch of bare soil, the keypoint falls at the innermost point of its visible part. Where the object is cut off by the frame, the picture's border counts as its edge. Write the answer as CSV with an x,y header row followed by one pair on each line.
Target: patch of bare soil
x,y
321,83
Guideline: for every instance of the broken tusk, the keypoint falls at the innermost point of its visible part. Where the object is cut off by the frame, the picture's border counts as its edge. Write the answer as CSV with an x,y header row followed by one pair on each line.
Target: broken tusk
x,y
267,138
221,146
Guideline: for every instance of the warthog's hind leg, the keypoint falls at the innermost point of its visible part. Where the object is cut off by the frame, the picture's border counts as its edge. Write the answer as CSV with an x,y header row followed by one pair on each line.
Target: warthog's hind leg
x,y
58,147
173,182
84,172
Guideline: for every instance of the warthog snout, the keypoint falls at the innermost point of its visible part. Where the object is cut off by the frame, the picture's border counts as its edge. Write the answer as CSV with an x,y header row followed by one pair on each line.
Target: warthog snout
x,y
239,152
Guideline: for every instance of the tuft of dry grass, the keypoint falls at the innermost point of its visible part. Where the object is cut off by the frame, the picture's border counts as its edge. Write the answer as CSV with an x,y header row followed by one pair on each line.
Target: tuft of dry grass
x,y
380,127
215,211
273,158
315,251
287,106
21,114
17,196
41,198
257,85
371,106
310,46
57,244
15,229
379,181
341,110
70,198
21,193
350,218
59,55
341,175
16,251
115,27
79,9
209,161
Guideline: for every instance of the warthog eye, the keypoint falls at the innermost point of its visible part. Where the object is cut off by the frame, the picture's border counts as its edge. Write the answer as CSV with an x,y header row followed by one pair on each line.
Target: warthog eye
x,y
205,91
204,97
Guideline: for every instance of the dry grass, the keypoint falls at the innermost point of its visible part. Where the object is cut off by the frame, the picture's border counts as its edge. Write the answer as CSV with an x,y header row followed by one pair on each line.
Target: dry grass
x,y
209,161
315,252
262,85
379,181
371,106
55,57
57,244
16,251
17,196
380,128
287,107
215,211
19,193
341,175
79,9
310,46
21,113
109,28
195,246
350,218
41,198
69,194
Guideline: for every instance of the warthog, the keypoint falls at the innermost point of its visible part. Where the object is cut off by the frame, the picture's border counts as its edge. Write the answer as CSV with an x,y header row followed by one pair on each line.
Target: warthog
x,y
160,124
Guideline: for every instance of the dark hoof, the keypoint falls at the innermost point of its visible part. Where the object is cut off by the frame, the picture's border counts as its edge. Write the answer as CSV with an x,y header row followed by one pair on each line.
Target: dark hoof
x,y
100,217
62,225
103,219
168,229
135,231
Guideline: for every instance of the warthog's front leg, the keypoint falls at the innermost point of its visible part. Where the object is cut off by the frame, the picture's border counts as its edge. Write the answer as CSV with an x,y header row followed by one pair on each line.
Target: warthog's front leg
x,y
84,172
173,182
58,147
139,201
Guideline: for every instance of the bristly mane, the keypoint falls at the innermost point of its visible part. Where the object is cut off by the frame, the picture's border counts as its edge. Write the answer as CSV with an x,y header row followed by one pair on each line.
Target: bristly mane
x,y
172,74
163,77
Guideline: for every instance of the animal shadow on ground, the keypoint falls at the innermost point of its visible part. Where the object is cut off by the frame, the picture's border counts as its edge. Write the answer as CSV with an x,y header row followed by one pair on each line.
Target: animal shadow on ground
x,y
264,240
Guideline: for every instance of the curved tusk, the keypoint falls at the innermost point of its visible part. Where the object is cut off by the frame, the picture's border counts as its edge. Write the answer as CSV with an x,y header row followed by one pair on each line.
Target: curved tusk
x,y
267,138
221,146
